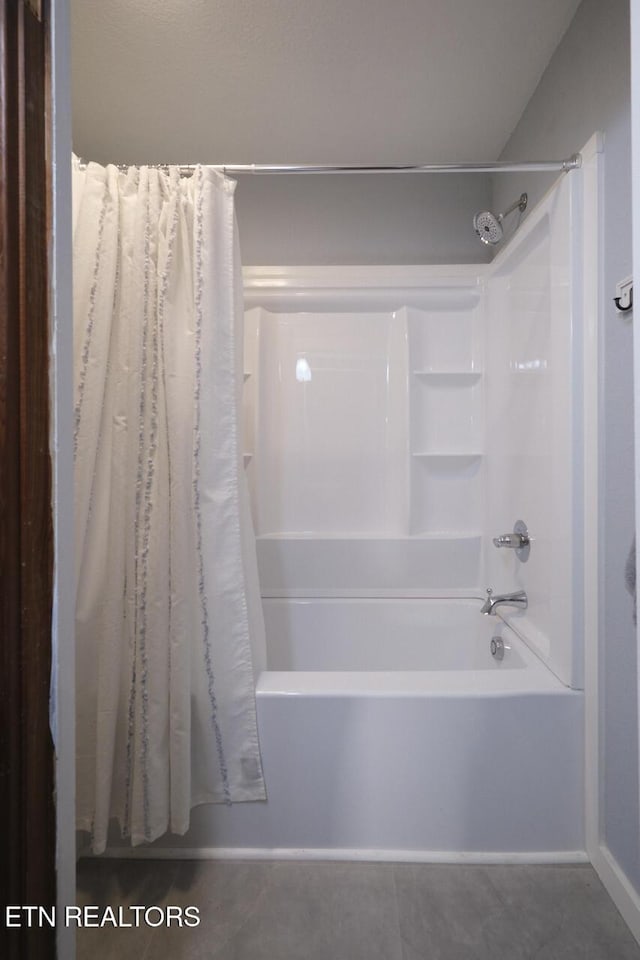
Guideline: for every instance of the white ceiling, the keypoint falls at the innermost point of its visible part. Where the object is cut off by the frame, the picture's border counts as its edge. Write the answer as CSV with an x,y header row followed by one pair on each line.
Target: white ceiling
x,y
299,81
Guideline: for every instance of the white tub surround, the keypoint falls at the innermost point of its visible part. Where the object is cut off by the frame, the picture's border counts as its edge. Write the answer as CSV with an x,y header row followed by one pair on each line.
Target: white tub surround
x,y
535,444
364,425
385,469
400,418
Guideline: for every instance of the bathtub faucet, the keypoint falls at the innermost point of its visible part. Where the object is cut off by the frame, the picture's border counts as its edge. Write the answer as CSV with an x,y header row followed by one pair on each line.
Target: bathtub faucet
x,y
517,599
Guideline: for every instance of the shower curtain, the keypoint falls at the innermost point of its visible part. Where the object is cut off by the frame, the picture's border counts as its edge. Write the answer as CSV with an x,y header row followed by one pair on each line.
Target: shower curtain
x,y
169,627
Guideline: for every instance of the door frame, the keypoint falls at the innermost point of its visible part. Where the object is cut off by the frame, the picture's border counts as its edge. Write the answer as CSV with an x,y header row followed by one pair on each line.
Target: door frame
x,y
35,286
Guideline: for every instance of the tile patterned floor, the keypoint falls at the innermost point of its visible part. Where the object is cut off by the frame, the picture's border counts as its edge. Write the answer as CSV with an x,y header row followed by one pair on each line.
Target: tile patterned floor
x,y
356,911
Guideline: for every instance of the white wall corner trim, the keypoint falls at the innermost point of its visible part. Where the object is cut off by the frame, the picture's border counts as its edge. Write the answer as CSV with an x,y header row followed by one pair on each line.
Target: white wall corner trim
x,y
62,709
592,173
618,887
635,154
61,379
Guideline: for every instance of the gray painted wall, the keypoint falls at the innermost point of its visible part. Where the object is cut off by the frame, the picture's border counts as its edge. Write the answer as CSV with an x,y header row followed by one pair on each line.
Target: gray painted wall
x,y
586,88
410,218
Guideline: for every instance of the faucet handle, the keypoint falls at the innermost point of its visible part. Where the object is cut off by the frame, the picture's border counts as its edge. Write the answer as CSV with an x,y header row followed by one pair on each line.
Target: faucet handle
x,y
513,540
519,540
489,592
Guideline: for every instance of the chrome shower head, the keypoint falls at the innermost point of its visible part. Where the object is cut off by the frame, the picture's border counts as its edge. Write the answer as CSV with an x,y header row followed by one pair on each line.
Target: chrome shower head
x,y
488,226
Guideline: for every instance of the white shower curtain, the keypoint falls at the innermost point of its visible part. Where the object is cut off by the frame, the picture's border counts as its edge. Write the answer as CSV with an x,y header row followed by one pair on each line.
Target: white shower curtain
x,y
168,607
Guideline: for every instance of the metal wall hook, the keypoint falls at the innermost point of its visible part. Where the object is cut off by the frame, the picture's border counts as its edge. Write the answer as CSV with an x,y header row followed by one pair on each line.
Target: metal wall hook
x,y
619,306
624,300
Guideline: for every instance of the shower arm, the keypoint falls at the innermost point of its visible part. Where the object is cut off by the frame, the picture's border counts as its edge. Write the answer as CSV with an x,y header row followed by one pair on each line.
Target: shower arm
x,y
520,203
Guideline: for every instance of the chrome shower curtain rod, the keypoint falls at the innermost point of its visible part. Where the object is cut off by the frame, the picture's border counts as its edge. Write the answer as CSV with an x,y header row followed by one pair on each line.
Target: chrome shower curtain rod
x,y
499,166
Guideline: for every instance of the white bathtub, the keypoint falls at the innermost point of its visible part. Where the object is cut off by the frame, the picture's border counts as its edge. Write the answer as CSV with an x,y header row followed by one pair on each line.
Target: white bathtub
x,y
389,731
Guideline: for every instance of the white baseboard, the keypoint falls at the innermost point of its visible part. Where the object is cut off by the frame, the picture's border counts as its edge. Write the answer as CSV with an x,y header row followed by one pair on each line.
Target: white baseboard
x,y
341,854
618,887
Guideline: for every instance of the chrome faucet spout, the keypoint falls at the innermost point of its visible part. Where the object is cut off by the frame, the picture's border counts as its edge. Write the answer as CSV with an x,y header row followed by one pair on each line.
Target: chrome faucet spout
x,y
518,599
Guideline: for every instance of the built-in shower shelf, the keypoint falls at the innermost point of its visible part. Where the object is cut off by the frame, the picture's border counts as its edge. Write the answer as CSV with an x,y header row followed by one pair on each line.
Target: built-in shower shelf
x,y
448,535
470,376
447,455
247,374
247,459
323,537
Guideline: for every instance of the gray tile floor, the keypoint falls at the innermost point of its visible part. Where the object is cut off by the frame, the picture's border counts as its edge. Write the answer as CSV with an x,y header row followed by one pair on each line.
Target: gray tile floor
x,y
356,911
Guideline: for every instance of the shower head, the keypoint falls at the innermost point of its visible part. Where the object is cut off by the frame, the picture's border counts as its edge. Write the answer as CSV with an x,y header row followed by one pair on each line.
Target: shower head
x,y
488,226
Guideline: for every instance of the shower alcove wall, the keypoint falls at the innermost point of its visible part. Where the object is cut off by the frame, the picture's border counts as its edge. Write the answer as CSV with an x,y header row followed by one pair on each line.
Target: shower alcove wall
x,y
399,418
